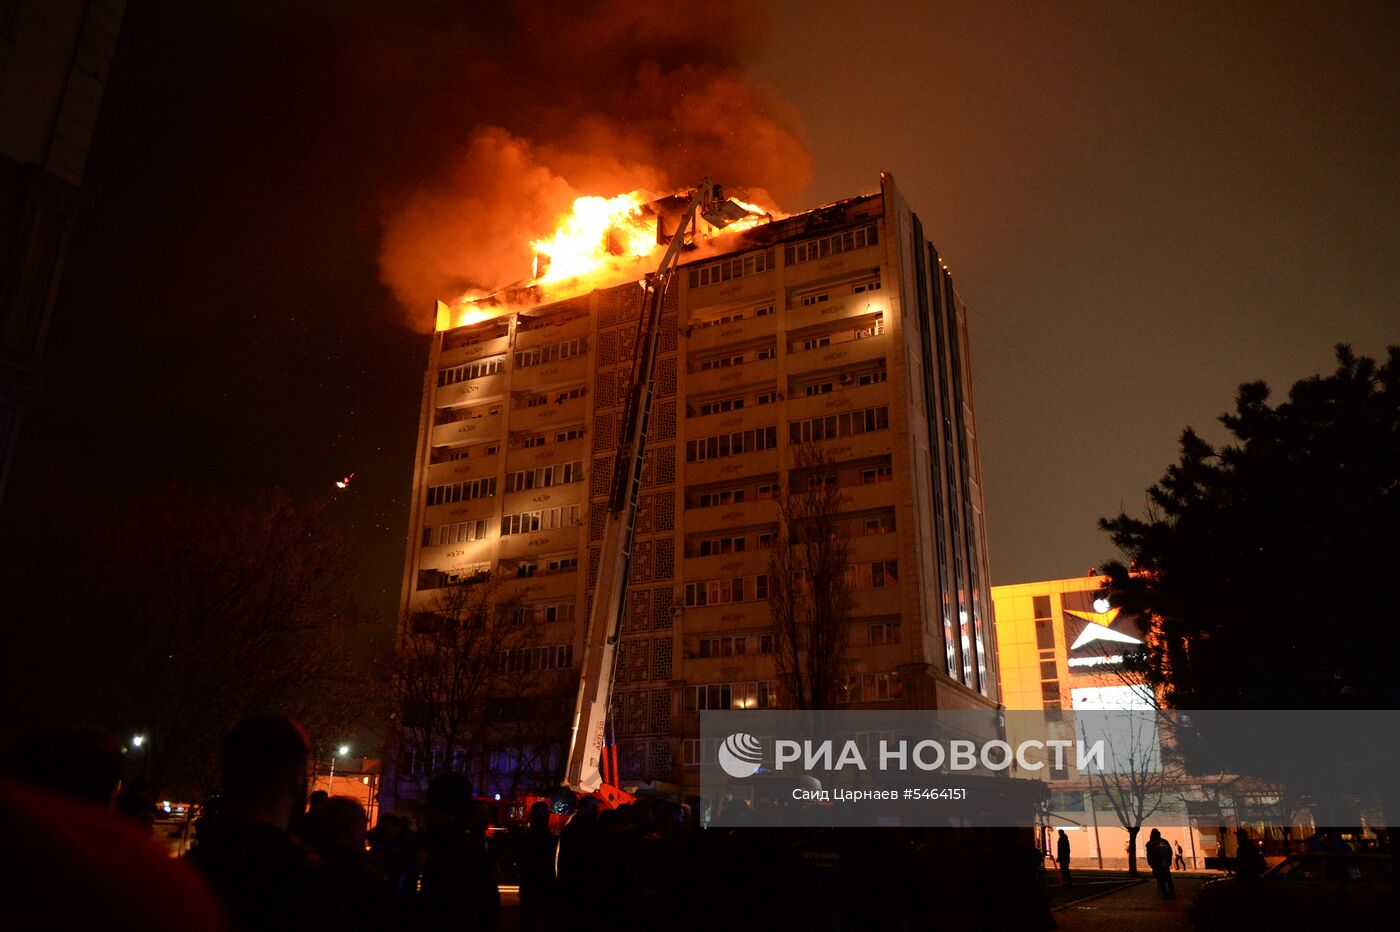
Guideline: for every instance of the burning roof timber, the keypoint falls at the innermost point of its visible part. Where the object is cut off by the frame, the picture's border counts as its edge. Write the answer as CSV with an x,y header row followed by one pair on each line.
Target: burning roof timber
x,y
609,241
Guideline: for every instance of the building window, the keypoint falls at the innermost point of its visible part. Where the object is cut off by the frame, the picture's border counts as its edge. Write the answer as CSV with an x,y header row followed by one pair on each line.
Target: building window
x,y
735,444
721,320
1044,635
725,591
723,646
543,355
544,476
721,406
821,297
722,362
880,574
461,491
820,388
715,546
878,524
1040,606
883,632
562,564
765,643
763,310
873,376
546,519
874,474
719,498
471,370
460,532
870,284
573,433
845,424
728,269
543,612
848,241
530,659
717,696
871,687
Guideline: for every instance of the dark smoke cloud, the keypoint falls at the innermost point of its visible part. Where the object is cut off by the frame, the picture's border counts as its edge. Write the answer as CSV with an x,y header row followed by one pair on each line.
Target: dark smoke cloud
x,y
557,100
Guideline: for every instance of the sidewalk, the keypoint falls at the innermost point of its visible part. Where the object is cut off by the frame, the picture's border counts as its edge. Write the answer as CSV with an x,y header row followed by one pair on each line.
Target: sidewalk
x,y
1136,908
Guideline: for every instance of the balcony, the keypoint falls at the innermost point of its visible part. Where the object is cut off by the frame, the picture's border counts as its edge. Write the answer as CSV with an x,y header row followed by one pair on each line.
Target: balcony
x,y
461,354
537,419
548,332
838,354
558,540
755,288
838,309
708,425
470,391
570,371
458,470
569,493
842,398
483,427
804,275
453,556
731,467
550,452
486,507
753,373
542,586
725,517
704,339
722,566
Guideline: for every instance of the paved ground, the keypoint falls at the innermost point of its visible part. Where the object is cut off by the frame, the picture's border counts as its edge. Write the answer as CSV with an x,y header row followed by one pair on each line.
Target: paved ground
x,y
1135,908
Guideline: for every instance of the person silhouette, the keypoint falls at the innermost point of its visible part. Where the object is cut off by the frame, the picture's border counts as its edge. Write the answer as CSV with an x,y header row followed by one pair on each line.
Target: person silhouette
x,y
1062,857
265,876
1159,858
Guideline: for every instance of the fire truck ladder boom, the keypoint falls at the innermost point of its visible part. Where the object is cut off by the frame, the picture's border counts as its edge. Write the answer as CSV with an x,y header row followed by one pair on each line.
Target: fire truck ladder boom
x,y
587,740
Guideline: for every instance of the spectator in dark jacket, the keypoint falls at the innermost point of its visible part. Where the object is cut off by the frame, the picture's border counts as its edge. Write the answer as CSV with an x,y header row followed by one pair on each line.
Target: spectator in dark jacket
x,y
267,879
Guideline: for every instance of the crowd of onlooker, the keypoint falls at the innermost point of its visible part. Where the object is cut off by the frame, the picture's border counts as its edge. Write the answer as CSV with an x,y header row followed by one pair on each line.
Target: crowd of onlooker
x,y
267,857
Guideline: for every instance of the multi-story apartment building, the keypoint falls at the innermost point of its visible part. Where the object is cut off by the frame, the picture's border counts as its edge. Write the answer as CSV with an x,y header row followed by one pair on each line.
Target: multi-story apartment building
x,y
837,327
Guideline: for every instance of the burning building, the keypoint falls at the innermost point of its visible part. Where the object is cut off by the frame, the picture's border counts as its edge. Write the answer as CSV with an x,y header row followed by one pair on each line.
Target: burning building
x,y
836,329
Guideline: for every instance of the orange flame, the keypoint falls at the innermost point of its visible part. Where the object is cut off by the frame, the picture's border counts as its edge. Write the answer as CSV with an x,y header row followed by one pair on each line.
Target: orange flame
x,y
603,241
598,230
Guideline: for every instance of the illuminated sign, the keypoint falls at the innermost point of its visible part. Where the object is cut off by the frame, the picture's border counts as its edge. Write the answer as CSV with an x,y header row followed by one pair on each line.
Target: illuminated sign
x,y
1096,634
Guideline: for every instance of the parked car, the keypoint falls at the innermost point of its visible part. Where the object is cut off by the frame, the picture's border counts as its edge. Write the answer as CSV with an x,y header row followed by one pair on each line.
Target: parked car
x,y
1304,891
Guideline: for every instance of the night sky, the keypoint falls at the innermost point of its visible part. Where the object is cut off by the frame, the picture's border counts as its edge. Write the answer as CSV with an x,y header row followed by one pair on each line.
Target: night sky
x,y
1143,205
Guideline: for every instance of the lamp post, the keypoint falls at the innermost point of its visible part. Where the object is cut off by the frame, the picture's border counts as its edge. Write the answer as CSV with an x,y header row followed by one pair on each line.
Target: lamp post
x,y
330,782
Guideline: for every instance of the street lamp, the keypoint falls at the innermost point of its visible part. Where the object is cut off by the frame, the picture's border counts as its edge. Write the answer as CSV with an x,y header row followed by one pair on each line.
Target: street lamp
x,y
330,783
138,740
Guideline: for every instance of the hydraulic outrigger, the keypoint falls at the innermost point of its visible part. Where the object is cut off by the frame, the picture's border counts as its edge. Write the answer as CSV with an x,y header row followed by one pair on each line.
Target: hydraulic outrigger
x,y
587,745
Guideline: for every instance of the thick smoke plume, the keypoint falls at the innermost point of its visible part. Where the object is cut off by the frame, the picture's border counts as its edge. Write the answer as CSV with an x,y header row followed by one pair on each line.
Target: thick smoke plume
x,y
568,99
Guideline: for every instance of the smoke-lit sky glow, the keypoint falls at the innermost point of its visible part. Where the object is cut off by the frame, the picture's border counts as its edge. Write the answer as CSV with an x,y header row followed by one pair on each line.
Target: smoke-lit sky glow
x,y
1143,204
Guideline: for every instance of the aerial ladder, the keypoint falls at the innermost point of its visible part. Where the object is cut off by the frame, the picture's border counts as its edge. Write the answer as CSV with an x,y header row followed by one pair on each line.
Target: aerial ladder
x,y
590,768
